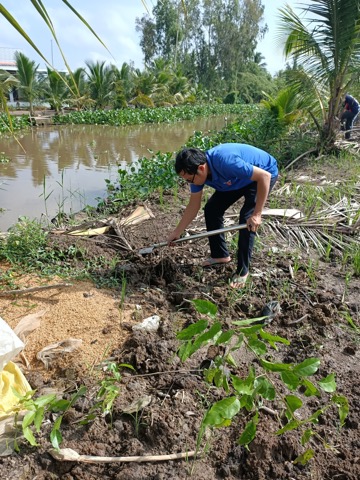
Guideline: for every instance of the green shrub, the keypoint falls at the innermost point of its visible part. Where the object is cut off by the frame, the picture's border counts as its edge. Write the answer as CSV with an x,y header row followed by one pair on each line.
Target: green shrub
x,y
25,243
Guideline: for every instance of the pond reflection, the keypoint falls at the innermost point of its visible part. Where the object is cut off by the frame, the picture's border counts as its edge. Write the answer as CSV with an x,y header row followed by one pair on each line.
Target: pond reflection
x,y
63,168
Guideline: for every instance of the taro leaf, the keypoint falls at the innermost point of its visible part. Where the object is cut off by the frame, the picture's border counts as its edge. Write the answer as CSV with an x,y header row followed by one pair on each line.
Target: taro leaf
x,y
265,388
306,436
343,404
275,367
273,338
290,380
307,367
192,330
205,307
289,426
328,383
293,403
249,432
258,347
311,390
304,457
222,411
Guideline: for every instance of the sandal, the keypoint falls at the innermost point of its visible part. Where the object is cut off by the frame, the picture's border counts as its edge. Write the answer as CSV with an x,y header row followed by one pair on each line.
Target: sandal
x,y
239,281
210,262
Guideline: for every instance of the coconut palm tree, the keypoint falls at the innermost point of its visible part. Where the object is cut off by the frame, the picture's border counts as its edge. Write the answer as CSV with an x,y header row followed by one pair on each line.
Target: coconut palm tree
x,y
55,89
26,73
79,90
101,83
325,43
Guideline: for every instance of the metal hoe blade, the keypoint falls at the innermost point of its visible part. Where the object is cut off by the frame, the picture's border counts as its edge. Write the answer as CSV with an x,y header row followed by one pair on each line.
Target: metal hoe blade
x,y
148,250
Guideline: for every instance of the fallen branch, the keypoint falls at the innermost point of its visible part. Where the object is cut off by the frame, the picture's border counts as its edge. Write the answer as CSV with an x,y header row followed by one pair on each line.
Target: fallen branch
x,y
294,322
70,455
34,289
312,150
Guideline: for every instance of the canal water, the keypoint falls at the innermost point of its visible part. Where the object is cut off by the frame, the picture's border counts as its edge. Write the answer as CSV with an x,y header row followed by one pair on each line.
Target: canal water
x,y
56,169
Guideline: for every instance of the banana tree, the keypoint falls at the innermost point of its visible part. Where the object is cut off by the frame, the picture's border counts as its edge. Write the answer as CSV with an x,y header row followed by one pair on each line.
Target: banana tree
x,y
325,43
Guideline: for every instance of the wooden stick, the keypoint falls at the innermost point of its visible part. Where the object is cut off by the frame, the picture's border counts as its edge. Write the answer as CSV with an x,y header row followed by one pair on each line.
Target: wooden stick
x,y
70,455
294,322
34,289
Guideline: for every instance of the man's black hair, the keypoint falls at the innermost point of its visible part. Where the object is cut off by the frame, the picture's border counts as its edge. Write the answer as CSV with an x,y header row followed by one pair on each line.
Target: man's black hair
x,y
189,159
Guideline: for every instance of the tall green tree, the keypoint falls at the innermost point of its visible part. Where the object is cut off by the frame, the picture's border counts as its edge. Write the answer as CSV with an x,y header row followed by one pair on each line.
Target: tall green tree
x,y
101,83
325,43
234,27
79,95
7,82
123,83
212,40
26,73
56,91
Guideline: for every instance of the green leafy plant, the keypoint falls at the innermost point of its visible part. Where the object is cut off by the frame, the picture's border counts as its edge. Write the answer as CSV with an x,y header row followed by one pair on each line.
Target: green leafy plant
x,y
248,394
25,242
38,408
109,390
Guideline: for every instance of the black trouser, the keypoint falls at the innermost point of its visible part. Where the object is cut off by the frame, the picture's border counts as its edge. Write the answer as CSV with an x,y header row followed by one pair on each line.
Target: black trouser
x,y
214,210
348,117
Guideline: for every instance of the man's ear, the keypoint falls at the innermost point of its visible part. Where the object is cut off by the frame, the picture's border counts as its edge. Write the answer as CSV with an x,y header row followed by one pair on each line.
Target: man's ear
x,y
202,167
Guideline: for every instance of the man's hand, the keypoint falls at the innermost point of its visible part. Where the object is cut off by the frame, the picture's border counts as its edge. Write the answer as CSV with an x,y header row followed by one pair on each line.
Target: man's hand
x,y
172,236
254,222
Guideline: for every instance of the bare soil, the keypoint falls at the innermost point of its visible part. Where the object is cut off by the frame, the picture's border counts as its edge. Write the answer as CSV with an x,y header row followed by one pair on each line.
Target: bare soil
x,y
162,284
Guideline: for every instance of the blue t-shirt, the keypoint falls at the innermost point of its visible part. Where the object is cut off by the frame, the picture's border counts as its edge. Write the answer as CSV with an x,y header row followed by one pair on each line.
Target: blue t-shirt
x,y
353,104
231,166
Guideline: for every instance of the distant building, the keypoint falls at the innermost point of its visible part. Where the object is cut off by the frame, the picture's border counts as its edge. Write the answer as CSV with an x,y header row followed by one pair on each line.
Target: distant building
x,y
8,63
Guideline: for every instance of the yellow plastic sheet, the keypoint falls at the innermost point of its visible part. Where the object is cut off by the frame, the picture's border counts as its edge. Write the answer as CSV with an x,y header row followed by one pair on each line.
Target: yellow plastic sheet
x,y
11,378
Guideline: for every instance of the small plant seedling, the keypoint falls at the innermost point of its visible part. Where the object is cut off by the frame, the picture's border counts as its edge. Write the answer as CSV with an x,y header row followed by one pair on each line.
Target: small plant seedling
x,y
249,393
37,409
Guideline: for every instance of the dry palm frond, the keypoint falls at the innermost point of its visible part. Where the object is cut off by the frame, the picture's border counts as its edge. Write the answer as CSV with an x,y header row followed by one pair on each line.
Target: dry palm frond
x,y
109,226
334,225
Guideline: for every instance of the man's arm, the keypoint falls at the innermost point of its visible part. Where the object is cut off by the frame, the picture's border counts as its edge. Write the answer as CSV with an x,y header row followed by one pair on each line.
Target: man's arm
x,y
188,216
262,178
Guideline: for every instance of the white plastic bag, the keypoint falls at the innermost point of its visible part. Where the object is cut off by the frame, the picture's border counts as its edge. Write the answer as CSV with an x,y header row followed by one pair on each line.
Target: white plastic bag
x,y
150,324
10,344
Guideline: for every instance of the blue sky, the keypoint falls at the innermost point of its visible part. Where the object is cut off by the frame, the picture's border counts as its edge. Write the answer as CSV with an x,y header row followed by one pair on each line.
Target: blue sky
x,y
114,22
